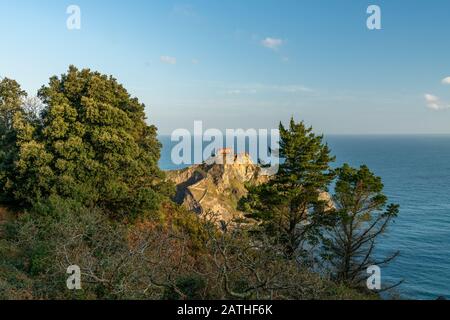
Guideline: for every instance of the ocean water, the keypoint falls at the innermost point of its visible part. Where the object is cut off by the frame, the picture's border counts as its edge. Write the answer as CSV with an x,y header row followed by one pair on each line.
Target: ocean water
x,y
416,174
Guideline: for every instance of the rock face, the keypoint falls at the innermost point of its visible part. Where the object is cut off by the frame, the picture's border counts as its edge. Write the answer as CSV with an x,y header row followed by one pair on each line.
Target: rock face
x,y
218,184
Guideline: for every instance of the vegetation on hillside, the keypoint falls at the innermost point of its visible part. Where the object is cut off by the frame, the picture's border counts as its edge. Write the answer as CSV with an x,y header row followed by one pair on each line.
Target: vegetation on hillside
x,y
80,185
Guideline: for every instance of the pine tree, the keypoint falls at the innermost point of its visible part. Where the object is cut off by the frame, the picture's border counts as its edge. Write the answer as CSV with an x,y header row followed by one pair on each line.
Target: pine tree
x,y
289,205
363,215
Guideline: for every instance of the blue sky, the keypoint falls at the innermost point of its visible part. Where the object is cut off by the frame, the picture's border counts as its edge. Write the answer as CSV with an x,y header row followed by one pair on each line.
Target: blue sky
x,y
248,63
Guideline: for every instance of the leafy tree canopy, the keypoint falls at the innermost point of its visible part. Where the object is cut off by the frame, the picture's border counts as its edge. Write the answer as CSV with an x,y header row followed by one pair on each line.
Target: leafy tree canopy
x,y
11,97
92,144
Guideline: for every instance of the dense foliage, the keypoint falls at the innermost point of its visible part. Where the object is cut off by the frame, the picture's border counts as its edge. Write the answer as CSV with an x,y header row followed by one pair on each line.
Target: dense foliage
x,y
11,97
152,260
92,144
80,185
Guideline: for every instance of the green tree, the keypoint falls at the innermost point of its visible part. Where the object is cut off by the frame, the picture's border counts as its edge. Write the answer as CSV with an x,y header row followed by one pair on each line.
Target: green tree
x,y
363,215
11,98
91,144
289,205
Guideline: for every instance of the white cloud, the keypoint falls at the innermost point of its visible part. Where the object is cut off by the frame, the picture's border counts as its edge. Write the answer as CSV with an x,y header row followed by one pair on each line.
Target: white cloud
x,y
293,88
434,103
195,61
234,91
446,80
168,60
272,43
431,98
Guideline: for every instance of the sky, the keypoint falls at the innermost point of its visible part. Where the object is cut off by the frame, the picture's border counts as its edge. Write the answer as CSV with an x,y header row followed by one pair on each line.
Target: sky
x,y
248,63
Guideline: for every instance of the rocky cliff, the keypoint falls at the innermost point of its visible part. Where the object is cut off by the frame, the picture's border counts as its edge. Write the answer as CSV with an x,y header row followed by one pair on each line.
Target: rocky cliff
x,y
218,184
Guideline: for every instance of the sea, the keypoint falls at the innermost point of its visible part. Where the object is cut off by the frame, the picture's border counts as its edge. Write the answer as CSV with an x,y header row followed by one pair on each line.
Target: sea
x,y
415,170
